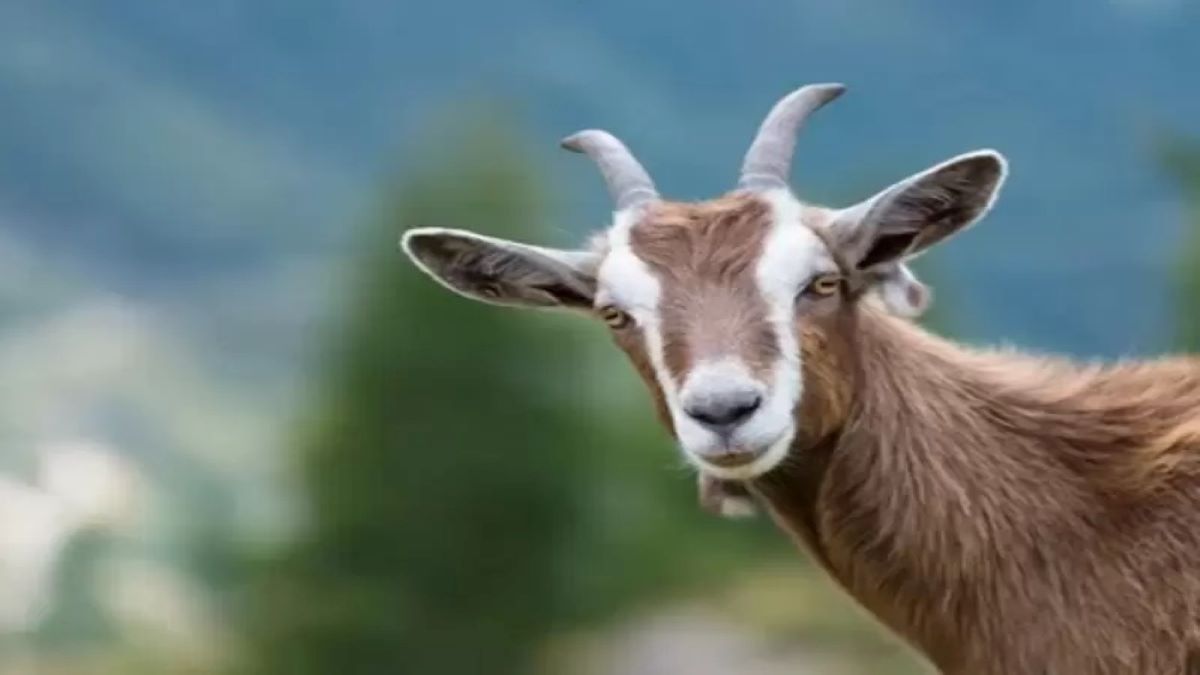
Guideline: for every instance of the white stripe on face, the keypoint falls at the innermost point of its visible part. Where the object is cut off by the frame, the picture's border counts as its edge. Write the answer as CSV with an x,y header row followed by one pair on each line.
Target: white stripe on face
x,y
792,254
626,281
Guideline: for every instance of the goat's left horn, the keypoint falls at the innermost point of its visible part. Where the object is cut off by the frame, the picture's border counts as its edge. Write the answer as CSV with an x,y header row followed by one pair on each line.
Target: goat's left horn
x,y
627,181
768,162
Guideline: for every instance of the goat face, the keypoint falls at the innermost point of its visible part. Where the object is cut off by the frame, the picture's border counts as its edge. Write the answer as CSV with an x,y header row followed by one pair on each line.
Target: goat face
x,y
710,299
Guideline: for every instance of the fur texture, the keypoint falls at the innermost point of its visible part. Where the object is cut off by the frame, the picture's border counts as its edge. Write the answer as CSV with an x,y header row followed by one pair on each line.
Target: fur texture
x,y
1003,513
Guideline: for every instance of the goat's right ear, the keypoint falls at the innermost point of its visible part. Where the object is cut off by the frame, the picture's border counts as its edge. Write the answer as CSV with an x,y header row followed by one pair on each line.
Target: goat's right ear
x,y
503,272
922,210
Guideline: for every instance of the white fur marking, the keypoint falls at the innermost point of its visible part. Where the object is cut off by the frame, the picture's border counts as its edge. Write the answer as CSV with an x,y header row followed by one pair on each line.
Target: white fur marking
x,y
738,507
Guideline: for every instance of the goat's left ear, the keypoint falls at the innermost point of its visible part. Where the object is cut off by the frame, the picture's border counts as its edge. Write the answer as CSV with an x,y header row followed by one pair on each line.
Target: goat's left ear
x,y
907,218
503,272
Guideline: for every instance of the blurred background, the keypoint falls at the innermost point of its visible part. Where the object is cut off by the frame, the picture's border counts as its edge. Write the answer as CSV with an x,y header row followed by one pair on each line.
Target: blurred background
x,y
241,435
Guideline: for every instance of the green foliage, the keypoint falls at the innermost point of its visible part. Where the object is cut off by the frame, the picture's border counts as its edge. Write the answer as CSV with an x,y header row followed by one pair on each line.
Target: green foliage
x,y
444,477
76,619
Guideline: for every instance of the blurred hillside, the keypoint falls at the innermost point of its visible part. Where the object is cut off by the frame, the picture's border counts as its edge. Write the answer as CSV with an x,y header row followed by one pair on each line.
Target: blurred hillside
x,y
168,148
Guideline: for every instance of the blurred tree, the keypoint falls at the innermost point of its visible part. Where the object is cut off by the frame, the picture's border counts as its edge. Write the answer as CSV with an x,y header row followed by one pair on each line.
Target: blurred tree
x,y
1182,159
442,466
76,618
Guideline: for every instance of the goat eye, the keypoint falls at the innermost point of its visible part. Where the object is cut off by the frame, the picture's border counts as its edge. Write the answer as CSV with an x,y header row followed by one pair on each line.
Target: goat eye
x,y
614,317
824,285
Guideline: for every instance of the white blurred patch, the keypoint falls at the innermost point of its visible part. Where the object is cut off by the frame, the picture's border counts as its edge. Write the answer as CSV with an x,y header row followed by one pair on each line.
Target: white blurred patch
x,y
95,486
690,639
80,485
160,605
33,532
736,506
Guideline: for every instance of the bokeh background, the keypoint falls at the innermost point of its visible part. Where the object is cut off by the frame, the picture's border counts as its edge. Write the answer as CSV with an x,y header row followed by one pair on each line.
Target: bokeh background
x,y
239,434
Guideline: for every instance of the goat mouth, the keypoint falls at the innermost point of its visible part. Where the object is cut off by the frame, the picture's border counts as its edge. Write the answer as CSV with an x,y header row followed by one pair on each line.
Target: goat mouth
x,y
733,459
742,462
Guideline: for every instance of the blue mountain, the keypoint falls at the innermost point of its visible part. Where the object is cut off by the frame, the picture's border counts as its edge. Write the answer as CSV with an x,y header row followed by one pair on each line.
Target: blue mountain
x,y
162,146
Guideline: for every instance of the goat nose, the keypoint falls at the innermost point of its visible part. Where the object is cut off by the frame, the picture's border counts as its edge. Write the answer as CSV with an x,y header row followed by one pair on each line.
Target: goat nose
x,y
723,410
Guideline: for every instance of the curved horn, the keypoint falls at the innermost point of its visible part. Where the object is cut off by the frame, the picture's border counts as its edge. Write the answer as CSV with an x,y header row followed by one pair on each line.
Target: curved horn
x,y
627,181
769,159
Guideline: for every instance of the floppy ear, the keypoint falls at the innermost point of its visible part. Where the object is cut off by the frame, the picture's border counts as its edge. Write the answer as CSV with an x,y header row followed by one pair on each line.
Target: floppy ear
x,y
907,218
503,272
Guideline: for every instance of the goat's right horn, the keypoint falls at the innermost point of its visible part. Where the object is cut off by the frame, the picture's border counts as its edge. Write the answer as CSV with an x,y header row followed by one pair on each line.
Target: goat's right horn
x,y
627,181
769,159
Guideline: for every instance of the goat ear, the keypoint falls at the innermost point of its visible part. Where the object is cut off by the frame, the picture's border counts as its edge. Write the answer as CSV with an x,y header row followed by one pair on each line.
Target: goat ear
x,y
503,272
907,218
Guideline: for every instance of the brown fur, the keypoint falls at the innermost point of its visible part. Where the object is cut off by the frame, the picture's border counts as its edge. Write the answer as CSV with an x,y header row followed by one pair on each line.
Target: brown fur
x,y
1003,513
824,365
704,256
633,343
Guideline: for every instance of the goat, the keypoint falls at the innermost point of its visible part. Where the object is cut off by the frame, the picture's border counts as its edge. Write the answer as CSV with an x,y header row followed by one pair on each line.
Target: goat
x,y
1002,513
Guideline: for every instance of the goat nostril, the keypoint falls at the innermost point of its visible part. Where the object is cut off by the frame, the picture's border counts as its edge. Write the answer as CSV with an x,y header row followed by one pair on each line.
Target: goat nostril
x,y
747,408
725,411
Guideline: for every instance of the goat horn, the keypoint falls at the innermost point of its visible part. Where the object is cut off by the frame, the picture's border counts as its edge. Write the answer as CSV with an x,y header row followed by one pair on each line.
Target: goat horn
x,y
627,181
769,160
